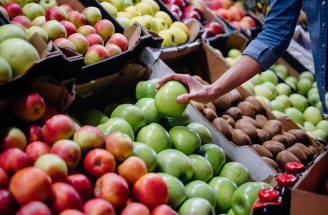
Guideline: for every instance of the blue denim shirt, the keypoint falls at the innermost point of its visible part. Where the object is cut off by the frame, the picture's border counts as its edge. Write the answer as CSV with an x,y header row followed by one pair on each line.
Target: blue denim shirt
x,y
279,28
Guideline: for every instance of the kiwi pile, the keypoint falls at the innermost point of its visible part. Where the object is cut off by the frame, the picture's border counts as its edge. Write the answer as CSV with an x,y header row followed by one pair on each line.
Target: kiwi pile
x,y
244,122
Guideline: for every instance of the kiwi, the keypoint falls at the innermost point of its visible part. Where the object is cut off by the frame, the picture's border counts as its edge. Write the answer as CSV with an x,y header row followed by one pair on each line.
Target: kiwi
x,y
262,135
313,150
248,128
274,147
209,114
257,104
298,152
262,151
240,138
210,105
261,120
300,135
199,106
251,120
273,127
281,139
223,102
223,127
271,162
290,138
235,96
247,108
306,150
229,120
234,112
284,157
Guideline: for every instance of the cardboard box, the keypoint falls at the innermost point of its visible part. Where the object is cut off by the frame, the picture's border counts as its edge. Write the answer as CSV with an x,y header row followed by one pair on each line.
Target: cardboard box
x,y
307,197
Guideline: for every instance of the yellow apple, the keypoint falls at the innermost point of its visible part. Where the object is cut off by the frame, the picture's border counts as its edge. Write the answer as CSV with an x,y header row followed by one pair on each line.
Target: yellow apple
x,y
181,26
180,35
125,22
146,23
153,5
110,8
121,4
132,11
154,24
144,8
161,23
125,14
169,38
165,17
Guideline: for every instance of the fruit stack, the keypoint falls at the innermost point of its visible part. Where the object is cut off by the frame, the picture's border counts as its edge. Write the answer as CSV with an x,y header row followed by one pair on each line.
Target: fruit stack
x,y
86,32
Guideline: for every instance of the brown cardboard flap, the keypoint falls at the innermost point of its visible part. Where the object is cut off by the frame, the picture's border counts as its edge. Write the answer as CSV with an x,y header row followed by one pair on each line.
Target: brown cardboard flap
x,y
39,45
133,35
194,29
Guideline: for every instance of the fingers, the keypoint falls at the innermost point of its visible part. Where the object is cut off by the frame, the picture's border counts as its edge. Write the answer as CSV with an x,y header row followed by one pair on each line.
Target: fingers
x,y
183,98
173,76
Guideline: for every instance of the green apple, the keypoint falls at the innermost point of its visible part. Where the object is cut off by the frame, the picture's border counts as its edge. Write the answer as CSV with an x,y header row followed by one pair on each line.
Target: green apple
x,y
6,73
248,85
116,124
319,105
169,39
33,10
201,189
202,131
298,101
320,134
233,53
261,90
223,189
303,86
11,31
306,75
295,115
313,90
308,126
177,191
314,99
110,8
231,61
184,139
180,35
169,122
313,115
283,89
146,89
281,71
197,206
121,4
277,105
277,113
132,114
176,163
145,153
132,11
165,17
218,51
291,81
36,29
236,171
46,4
94,118
323,125
230,212
161,23
284,100
155,136
166,99
153,4
125,22
147,105
245,196
215,155
269,76
256,80
20,2
271,87
39,21
202,168
144,8
154,25
146,23
125,14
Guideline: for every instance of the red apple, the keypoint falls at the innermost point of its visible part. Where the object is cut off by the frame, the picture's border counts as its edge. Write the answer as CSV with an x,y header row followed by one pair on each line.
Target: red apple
x,y
192,8
85,30
13,138
98,206
53,165
176,10
56,128
224,14
13,160
23,20
95,54
7,202
120,145
94,39
208,33
105,29
120,40
63,196
236,25
34,133
36,149
210,5
150,190
234,14
69,151
113,49
71,212
89,137
68,8
56,13
30,184
180,3
63,42
28,106
132,169
34,208
135,208
216,27
238,10
4,12
98,162
3,178
218,4
82,185
163,209
78,19
70,27
113,188
249,21
50,109
80,42
195,15
13,9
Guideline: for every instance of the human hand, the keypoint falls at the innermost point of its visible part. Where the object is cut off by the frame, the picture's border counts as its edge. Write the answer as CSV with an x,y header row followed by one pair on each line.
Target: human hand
x,y
197,91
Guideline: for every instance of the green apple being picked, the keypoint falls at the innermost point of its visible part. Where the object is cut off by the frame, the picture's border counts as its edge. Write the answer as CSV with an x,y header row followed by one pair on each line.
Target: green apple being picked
x,y
145,153
200,189
215,155
202,168
197,206
202,131
237,172
184,139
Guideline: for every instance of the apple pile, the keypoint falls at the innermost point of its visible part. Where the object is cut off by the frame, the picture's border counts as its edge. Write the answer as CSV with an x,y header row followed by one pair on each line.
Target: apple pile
x,y
86,32
16,54
147,13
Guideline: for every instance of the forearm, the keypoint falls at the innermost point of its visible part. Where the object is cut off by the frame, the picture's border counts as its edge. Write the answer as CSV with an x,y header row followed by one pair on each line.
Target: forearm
x,y
242,71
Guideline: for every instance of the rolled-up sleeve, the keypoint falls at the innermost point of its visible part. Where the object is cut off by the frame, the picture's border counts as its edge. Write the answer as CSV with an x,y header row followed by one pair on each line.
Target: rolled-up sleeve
x,y
277,32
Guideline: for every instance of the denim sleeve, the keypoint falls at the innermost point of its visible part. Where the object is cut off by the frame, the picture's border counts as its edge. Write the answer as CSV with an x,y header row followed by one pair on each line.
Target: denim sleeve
x,y
277,32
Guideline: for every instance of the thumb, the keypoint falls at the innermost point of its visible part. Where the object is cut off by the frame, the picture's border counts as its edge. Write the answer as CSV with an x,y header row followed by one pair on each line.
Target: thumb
x,y
184,98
